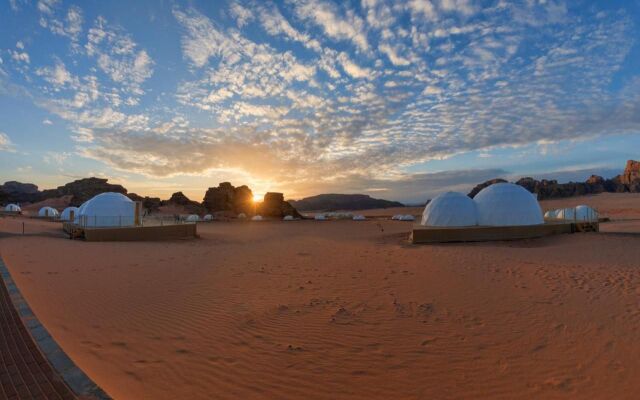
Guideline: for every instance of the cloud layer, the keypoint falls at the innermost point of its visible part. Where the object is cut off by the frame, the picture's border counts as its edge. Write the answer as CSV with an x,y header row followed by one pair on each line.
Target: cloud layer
x,y
316,94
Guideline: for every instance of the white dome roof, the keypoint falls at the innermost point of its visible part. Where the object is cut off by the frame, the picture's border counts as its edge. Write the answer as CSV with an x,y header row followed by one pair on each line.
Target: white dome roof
x,y
208,217
242,215
450,209
288,218
507,204
48,212
359,217
66,213
12,208
407,217
193,218
568,214
320,217
107,209
257,218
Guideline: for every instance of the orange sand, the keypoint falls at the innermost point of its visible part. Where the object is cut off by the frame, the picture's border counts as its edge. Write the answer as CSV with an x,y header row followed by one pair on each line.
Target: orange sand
x,y
341,310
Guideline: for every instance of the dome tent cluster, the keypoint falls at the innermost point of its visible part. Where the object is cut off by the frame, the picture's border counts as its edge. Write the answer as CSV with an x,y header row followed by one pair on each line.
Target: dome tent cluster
x,y
581,213
501,204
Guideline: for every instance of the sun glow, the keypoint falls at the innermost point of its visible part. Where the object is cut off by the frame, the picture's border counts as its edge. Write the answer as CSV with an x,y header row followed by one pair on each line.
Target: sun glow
x,y
257,198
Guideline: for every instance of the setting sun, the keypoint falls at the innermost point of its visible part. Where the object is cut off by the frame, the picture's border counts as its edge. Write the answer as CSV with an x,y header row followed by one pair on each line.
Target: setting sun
x,y
257,198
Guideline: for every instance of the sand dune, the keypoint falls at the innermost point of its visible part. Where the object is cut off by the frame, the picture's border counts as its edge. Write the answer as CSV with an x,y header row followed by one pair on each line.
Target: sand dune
x,y
337,309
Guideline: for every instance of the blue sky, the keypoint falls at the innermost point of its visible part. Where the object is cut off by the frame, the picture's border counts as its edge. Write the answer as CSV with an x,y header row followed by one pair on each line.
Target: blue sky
x,y
400,100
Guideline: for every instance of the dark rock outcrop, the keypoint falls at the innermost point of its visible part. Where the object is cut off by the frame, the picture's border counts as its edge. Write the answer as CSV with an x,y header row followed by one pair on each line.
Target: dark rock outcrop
x,y
82,190
334,202
180,199
483,185
275,206
150,204
226,197
18,192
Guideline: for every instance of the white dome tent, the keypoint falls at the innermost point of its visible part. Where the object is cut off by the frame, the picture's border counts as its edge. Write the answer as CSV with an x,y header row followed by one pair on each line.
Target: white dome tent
x,y
288,218
193,218
551,214
586,214
407,217
208,217
396,217
507,204
320,217
107,210
359,217
242,216
48,212
450,209
257,218
566,214
12,208
66,213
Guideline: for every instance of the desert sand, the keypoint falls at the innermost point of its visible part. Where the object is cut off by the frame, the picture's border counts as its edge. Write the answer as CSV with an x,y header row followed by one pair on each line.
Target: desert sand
x,y
343,310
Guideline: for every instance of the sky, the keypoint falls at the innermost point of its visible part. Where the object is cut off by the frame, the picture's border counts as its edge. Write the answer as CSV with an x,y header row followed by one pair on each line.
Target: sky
x,y
397,99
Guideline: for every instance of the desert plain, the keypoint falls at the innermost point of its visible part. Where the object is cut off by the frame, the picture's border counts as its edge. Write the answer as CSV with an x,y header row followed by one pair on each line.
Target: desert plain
x,y
343,310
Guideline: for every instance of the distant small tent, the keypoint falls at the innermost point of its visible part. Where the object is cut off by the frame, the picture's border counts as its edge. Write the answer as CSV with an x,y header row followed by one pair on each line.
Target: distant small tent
x,y
12,208
257,218
359,217
566,214
320,217
450,209
507,204
108,209
242,216
208,217
48,212
288,218
193,218
585,213
396,217
69,213
551,214
407,217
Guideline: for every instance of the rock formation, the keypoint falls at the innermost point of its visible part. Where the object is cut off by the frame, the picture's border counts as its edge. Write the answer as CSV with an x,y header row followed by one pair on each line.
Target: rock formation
x,y
150,204
226,197
335,202
179,199
628,181
275,206
82,190
631,172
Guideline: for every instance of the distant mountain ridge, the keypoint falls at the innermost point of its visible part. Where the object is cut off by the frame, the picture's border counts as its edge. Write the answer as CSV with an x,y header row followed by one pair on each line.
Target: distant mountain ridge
x,y
334,202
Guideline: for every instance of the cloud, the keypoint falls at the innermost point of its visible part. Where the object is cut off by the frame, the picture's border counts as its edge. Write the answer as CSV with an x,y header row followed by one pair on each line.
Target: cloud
x,y
275,24
118,57
353,69
242,14
69,25
5,143
347,27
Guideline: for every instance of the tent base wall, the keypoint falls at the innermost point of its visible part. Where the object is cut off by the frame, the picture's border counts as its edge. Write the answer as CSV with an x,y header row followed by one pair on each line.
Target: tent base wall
x,y
133,233
424,234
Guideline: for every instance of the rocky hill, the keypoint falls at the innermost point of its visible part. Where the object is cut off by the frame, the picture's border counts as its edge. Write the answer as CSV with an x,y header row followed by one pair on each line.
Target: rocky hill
x,y
334,202
628,181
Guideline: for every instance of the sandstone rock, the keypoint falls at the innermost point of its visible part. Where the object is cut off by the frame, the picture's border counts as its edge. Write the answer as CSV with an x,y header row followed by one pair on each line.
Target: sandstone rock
x,y
631,172
82,190
226,197
150,204
179,199
275,206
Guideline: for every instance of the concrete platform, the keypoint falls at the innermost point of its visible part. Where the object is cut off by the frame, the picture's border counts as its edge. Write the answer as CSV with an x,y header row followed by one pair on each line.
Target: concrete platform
x,y
426,234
